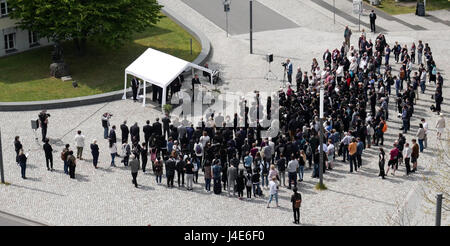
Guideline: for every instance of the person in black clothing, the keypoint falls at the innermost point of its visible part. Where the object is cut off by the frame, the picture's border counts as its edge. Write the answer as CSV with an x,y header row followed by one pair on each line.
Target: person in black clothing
x,y
112,135
48,154
148,130
166,126
240,184
95,153
17,147
125,132
381,163
43,122
134,133
22,159
134,87
372,17
296,200
170,171
181,164
195,80
144,153
157,128
281,165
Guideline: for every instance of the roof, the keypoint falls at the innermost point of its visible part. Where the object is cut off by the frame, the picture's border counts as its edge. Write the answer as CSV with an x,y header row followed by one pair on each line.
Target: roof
x,y
159,68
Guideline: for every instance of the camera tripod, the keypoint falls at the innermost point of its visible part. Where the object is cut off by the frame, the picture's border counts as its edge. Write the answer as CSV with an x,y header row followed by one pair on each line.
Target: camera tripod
x,y
269,74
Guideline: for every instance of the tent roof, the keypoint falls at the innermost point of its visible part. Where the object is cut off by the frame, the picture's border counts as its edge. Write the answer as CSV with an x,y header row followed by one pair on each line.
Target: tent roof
x,y
159,68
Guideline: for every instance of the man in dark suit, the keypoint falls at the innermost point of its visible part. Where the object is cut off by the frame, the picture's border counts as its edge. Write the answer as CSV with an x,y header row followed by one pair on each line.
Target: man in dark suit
x,y
157,128
195,80
298,78
112,134
125,132
134,87
166,123
148,130
372,17
134,132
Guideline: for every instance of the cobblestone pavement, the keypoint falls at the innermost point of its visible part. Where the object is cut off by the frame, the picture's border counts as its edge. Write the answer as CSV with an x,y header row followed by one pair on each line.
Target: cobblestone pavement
x,y
106,196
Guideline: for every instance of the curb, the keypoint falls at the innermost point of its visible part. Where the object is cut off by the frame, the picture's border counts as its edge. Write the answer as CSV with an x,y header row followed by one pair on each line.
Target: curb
x,y
114,95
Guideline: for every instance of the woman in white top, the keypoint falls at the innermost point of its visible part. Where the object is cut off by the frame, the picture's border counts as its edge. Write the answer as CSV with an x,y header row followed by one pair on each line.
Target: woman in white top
x,y
330,154
113,150
440,126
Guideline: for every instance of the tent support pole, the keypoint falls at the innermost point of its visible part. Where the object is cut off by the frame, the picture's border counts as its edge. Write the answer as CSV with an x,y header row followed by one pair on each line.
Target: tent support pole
x,y
164,97
145,93
125,88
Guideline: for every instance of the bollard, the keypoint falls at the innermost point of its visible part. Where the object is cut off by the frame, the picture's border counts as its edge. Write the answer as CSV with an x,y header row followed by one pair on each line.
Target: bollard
x,y
438,209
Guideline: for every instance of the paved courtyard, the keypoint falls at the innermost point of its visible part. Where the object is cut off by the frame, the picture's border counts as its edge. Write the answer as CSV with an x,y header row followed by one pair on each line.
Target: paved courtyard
x,y
106,196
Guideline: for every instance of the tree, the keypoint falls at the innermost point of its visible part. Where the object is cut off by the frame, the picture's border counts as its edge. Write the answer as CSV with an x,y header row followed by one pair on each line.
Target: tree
x,y
110,22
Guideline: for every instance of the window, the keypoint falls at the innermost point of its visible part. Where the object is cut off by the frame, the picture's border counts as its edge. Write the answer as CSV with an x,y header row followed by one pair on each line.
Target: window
x,y
10,41
3,8
33,38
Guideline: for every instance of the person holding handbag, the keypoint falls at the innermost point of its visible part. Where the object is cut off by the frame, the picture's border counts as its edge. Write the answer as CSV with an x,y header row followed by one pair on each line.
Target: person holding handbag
x,y
296,200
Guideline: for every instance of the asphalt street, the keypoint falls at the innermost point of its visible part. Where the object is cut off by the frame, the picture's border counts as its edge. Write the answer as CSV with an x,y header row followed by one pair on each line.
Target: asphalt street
x,y
264,19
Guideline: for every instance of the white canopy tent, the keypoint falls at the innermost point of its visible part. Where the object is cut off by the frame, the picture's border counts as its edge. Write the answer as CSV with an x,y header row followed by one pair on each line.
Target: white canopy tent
x,y
160,69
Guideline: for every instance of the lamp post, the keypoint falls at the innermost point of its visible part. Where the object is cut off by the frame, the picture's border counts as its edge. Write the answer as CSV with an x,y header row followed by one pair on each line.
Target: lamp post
x,y
251,26
334,11
2,174
321,186
226,8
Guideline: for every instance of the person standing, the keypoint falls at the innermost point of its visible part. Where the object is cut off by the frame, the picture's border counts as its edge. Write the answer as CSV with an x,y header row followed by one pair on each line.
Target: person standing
x,y
208,176
352,149
166,125
134,88
126,152
170,171
43,122
289,70
292,171
134,165
425,127
419,52
72,162
195,81
440,126
79,143
347,36
22,159
240,184
158,169
113,151
296,200
359,152
134,133
407,157
381,162
17,147
105,124
144,155
189,170
232,174
420,136
281,166
273,191
48,155
112,134
393,160
216,171
248,185
372,17
64,155
414,155
125,131
180,167
148,130
95,152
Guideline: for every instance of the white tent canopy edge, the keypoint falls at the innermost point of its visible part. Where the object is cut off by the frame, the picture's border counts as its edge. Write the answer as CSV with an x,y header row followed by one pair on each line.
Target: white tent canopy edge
x,y
160,69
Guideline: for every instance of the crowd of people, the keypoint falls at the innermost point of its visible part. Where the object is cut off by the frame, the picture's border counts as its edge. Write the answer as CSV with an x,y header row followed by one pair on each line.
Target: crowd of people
x,y
358,83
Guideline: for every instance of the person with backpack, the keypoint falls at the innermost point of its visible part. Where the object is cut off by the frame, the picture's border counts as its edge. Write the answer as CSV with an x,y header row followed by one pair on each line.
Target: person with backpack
x,y
198,148
281,166
296,200
64,154
48,154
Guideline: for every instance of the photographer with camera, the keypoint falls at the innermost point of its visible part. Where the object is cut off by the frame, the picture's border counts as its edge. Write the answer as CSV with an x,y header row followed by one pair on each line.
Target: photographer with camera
x,y
105,123
288,69
43,122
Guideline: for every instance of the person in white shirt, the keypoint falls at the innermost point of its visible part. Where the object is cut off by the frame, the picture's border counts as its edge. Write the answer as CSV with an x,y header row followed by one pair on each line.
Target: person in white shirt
x,y
292,171
440,125
407,151
273,187
204,139
425,127
113,150
79,143
330,154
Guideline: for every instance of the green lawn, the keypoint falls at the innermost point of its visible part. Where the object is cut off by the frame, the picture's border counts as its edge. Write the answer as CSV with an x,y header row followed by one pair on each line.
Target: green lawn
x,y
26,76
409,6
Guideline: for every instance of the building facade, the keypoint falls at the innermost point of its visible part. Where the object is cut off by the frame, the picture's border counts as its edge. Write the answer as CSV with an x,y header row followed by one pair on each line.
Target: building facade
x,y
14,39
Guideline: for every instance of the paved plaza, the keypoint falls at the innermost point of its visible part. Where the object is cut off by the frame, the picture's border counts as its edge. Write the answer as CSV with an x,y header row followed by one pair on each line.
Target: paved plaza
x,y
106,196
